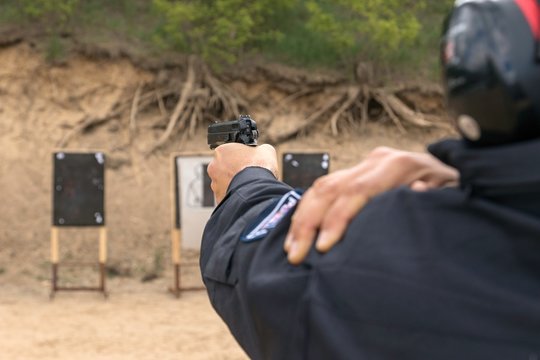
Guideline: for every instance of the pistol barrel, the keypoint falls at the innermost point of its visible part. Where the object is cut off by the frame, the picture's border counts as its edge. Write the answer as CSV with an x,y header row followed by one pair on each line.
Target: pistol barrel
x,y
244,131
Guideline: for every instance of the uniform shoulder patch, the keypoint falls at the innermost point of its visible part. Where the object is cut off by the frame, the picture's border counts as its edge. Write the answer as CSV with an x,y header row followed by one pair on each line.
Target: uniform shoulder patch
x,y
271,216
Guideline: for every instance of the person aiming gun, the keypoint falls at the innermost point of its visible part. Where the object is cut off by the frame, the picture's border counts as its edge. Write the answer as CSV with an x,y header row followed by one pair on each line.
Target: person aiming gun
x,y
405,255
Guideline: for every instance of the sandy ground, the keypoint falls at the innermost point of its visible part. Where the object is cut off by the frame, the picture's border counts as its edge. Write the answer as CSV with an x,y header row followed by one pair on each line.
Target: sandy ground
x,y
39,104
136,322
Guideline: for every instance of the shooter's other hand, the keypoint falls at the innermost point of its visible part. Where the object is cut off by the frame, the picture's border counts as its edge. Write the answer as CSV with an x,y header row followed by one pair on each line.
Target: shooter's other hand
x,y
333,200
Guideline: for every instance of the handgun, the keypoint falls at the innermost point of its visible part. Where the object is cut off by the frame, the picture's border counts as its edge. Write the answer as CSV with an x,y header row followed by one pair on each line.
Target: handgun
x,y
243,130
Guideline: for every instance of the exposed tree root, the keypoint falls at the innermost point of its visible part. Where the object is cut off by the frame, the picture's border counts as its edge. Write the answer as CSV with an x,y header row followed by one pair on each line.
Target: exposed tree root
x,y
201,98
309,121
134,111
351,98
89,122
184,96
382,99
356,104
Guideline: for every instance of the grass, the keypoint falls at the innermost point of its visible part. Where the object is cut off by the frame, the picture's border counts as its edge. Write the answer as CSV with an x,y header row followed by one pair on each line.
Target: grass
x,y
9,12
158,266
55,50
132,19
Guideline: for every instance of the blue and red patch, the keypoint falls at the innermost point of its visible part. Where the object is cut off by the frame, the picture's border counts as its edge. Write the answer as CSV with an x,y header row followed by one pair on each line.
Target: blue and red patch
x,y
271,217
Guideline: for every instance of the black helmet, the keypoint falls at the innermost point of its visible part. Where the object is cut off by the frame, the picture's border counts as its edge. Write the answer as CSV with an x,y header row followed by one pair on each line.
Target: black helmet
x,y
490,55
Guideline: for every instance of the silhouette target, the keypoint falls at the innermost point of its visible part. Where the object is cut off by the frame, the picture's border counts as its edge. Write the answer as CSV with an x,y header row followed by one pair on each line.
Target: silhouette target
x,y
79,188
300,170
199,191
208,195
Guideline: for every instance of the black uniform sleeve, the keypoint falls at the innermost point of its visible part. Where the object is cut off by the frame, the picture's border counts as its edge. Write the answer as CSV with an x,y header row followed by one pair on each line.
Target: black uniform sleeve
x,y
227,263
444,274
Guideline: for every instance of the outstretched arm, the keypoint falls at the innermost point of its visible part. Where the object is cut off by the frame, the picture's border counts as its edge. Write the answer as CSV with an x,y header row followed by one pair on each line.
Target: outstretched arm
x,y
233,268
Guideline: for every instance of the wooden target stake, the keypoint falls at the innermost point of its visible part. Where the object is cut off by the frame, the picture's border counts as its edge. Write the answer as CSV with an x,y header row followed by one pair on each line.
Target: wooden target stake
x,y
176,232
176,255
102,258
55,262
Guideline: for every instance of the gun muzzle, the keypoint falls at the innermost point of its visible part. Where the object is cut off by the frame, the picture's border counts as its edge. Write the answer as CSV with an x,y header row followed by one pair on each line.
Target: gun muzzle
x,y
243,131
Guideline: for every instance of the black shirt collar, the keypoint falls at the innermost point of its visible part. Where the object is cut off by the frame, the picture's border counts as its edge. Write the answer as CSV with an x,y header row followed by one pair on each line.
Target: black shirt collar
x,y
500,170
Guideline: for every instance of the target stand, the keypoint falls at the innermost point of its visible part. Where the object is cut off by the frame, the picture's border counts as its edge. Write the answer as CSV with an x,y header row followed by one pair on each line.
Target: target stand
x,y
78,201
55,257
176,288
192,202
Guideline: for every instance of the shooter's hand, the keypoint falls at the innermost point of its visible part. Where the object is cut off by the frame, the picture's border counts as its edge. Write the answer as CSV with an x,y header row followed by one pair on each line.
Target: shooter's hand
x,y
230,159
333,200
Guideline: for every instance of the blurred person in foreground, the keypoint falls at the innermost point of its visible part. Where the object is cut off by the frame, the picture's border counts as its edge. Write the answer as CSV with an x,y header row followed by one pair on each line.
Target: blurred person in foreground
x,y
405,255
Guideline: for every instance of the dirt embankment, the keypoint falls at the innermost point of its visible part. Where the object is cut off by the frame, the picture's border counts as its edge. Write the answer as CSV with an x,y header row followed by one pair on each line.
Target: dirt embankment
x,y
43,107
90,104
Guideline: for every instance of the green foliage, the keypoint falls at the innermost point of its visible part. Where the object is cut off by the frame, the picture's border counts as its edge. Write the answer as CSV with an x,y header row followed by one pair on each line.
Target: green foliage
x,y
119,21
439,6
422,57
403,34
379,27
301,47
317,31
54,13
218,30
9,12
55,50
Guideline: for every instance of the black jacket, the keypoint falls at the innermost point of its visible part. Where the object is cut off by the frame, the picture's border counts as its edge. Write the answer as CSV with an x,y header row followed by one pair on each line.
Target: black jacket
x,y
452,273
